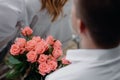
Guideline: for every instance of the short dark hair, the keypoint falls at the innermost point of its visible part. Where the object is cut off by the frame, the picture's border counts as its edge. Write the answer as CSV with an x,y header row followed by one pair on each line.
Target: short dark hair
x,y
102,18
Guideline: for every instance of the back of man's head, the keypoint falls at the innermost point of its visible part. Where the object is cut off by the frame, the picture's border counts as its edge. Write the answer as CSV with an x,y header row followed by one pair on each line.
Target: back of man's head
x,y
102,18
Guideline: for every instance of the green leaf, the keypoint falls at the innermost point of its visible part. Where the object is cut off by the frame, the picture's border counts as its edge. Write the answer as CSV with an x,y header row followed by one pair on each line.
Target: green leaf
x,y
13,60
12,74
18,66
15,71
8,64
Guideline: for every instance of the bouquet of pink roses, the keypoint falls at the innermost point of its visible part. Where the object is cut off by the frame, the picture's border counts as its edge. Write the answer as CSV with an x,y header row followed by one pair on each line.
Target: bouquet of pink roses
x,y
33,58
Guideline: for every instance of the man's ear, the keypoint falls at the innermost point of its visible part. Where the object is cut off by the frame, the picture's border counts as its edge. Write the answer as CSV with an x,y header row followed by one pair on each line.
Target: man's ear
x,y
81,26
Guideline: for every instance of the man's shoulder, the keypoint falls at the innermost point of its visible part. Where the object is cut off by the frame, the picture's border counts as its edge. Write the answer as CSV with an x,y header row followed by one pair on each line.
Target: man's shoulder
x,y
70,72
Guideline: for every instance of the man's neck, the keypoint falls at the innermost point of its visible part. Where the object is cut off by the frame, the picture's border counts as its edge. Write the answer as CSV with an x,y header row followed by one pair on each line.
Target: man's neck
x,y
88,44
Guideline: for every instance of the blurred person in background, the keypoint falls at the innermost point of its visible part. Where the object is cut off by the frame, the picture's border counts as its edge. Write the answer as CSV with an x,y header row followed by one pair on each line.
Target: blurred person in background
x,y
45,17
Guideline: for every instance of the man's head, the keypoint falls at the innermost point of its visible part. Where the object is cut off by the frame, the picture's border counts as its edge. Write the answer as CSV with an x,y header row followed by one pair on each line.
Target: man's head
x,y
98,21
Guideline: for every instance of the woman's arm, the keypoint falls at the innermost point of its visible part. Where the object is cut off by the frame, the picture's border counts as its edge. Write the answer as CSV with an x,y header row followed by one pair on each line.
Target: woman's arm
x,y
10,14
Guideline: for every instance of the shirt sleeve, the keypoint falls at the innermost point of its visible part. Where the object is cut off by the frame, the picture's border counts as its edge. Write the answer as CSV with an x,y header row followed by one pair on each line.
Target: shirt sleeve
x,y
10,14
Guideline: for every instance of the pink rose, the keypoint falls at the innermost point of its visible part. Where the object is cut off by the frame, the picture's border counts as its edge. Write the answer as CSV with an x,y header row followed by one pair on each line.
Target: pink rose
x,y
57,53
27,31
42,58
15,49
50,40
64,61
57,44
21,42
22,50
52,58
41,47
31,56
36,38
30,45
44,43
44,69
52,64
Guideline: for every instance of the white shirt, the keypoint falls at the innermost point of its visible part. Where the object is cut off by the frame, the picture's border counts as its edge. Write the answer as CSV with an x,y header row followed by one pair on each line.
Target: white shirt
x,y
96,64
14,11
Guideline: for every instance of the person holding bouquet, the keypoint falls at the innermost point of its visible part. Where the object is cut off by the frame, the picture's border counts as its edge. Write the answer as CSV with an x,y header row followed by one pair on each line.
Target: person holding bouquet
x,y
97,23
45,17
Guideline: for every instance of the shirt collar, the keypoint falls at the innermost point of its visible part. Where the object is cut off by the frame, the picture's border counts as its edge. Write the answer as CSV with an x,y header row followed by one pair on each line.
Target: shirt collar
x,y
93,54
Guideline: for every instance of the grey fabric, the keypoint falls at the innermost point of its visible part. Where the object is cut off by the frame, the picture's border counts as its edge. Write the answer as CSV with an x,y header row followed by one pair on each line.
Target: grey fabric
x,y
10,14
60,29
14,11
